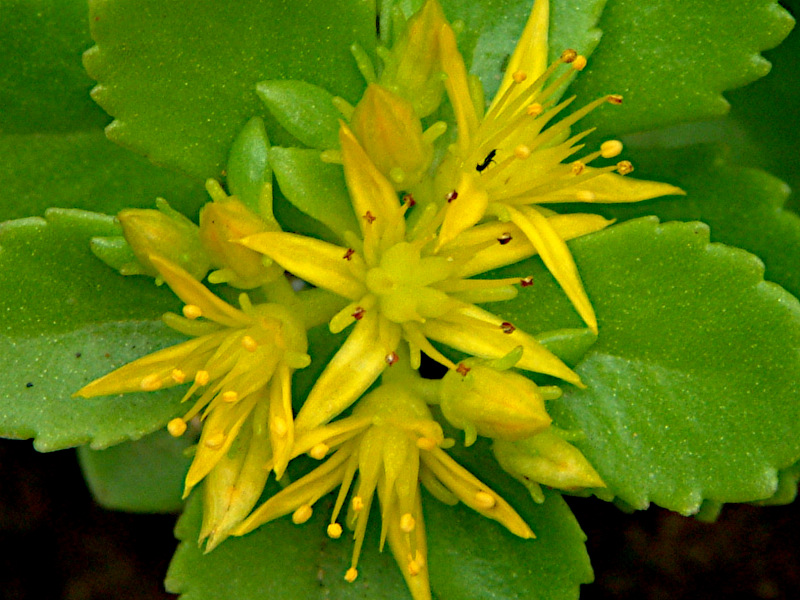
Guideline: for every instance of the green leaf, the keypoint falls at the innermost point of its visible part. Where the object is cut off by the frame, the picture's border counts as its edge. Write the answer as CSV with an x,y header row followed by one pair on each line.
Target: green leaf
x,y
43,87
671,61
70,319
740,205
691,384
314,187
181,83
304,110
144,476
84,170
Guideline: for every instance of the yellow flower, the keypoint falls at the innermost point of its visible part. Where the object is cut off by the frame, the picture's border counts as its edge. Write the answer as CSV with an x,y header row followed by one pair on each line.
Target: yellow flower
x,y
511,160
240,364
402,285
393,443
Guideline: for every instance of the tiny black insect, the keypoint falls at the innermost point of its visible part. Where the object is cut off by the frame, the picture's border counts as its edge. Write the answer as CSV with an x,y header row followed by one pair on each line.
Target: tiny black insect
x,y
486,161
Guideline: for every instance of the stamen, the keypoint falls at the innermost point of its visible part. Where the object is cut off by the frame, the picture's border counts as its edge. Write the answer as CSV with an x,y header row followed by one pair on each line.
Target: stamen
x,y
578,167
614,99
150,383
504,238
358,503
624,167
413,568
392,358
334,531
610,149
463,369
569,55
249,344
302,514
369,218
215,441
425,443
407,523
230,396
176,427
278,426
319,451
349,254
178,376
201,377
358,314
519,76
522,151
579,64
351,575
535,109
408,200
452,196
526,281
507,327
484,500
192,311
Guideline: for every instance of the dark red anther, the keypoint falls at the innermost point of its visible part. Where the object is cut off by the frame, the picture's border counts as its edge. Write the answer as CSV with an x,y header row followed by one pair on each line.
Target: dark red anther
x,y
504,239
392,358
507,327
452,196
358,314
369,217
462,369
526,281
349,254
409,199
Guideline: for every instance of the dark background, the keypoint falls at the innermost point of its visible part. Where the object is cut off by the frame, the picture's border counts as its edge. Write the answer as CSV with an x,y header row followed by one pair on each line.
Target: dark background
x,y
58,544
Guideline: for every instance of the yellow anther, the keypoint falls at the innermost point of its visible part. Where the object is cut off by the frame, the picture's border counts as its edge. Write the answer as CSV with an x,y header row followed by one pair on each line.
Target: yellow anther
x,y
418,558
614,99
201,377
578,167
178,376
579,63
334,531
192,311
424,443
413,568
215,441
278,426
249,344
485,500
534,110
358,503
302,514
610,149
319,451
522,152
150,383
519,76
624,167
351,575
585,196
176,427
569,55
407,523
230,396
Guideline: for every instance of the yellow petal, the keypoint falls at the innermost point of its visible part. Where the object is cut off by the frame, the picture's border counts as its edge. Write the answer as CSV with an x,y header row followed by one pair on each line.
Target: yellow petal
x,y
556,257
192,292
416,574
530,55
458,89
280,410
355,367
465,210
610,188
325,265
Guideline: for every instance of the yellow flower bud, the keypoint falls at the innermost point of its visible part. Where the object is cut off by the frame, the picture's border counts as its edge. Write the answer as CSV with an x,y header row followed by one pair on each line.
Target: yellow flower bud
x,y
486,401
391,134
412,68
224,222
165,233
548,459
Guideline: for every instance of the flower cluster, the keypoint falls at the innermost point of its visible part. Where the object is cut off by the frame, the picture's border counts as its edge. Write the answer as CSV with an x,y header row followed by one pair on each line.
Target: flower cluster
x,y
431,217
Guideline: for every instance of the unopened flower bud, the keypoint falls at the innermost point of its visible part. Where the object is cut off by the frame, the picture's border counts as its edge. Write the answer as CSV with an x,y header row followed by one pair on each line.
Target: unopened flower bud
x,y
548,459
486,401
391,134
412,67
224,222
165,233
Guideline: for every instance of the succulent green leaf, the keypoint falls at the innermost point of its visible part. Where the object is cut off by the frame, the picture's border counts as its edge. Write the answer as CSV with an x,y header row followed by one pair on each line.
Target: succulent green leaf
x,y
181,83
144,476
68,320
82,169
672,61
304,110
248,164
691,385
43,87
314,187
